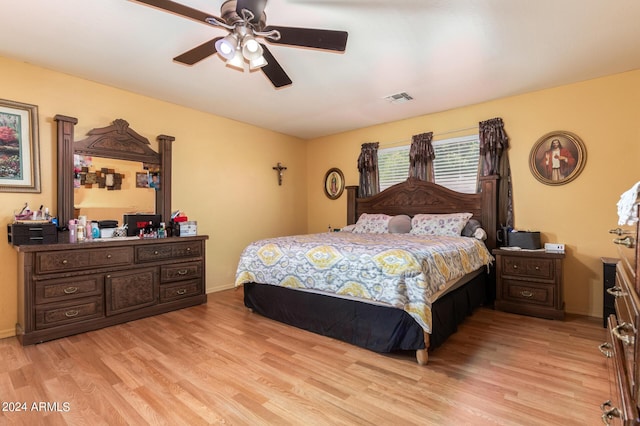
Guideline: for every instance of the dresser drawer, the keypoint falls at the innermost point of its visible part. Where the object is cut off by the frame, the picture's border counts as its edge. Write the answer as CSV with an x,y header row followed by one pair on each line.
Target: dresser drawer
x,y
182,271
528,267
68,288
52,315
155,252
61,261
526,292
169,292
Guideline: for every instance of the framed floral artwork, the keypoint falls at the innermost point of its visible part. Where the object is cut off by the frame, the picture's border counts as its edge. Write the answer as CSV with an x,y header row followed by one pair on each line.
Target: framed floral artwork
x,y
557,158
19,147
333,183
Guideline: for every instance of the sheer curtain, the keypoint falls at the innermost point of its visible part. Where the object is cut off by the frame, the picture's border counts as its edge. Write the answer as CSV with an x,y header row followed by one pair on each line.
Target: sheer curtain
x,y
368,167
421,157
494,160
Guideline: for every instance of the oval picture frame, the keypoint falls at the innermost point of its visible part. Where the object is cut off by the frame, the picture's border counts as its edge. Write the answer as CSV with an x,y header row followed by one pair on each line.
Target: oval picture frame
x,y
333,183
570,158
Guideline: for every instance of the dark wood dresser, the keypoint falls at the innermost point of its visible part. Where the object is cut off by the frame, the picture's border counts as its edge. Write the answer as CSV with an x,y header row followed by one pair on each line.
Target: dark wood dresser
x,y
65,289
621,348
529,283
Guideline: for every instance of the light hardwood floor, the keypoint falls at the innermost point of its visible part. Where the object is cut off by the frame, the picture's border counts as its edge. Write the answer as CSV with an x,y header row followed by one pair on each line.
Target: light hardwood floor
x,y
220,364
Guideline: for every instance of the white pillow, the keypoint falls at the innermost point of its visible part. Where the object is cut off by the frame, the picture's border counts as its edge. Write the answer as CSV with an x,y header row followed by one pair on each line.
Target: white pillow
x,y
372,224
439,224
348,228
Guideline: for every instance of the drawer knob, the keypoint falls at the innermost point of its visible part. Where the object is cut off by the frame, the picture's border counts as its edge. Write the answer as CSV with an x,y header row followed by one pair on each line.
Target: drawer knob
x,y
619,330
619,231
109,256
70,290
188,249
72,313
155,252
183,272
605,348
537,268
616,291
65,261
526,293
515,266
182,291
626,241
608,412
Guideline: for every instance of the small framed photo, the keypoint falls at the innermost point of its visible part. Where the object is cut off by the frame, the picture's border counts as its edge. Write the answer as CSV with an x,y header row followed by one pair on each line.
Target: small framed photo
x,y
19,147
557,158
333,183
142,180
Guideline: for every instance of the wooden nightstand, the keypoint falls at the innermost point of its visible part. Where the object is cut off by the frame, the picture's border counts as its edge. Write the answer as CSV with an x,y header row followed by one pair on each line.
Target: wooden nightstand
x,y
529,283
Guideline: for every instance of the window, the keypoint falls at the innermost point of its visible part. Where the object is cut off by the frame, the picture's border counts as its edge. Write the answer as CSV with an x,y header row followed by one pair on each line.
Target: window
x,y
455,166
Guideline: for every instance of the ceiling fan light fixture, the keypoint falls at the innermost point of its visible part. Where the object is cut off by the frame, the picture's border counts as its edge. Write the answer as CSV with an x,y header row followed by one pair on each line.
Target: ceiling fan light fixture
x,y
237,61
227,46
251,49
258,62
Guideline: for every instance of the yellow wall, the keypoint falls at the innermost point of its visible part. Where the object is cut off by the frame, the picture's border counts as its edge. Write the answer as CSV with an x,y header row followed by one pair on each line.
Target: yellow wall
x,y
222,175
603,112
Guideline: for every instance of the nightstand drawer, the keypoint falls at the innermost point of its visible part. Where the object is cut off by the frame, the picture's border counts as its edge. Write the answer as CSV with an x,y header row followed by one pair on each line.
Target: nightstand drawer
x,y
528,267
524,292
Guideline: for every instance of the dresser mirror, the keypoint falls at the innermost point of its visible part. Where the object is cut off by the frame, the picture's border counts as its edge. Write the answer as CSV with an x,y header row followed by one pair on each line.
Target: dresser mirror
x,y
121,145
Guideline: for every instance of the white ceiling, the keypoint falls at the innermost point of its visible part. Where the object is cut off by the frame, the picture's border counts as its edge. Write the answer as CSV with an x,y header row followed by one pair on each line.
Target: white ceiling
x,y
444,53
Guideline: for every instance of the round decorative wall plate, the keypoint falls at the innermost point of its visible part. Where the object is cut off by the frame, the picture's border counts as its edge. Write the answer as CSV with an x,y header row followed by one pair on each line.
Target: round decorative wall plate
x,y
557,158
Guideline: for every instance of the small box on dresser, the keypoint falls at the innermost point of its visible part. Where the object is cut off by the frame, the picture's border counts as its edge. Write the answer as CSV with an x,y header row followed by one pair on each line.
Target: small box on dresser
x,y
35,233
529,283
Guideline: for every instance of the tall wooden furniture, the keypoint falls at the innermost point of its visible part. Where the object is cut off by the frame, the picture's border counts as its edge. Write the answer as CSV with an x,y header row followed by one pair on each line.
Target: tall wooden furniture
x,y
68,288
529,283
65,289
622,348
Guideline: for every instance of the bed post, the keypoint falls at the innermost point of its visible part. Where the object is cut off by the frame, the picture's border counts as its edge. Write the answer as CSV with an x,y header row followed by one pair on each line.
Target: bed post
x,y
489,193
352,194
422,355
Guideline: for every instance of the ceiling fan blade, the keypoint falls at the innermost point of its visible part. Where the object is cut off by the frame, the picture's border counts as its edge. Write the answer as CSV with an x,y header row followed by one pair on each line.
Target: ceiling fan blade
x,y
273,70
309,37
198,53
255,6
179,9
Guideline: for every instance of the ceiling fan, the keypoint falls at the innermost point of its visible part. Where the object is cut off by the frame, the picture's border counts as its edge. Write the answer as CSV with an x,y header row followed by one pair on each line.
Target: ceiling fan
x,y
245,22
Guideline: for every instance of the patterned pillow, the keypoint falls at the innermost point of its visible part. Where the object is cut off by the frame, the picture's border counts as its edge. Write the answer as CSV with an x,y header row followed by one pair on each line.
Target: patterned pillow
x,y
372,224
439,224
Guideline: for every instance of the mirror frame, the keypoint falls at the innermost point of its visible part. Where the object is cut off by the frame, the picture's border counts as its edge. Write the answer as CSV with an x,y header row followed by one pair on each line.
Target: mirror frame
x,y
115,141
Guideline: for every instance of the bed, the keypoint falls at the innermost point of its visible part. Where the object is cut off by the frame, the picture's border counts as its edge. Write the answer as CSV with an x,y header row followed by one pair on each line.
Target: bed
x,y
386,292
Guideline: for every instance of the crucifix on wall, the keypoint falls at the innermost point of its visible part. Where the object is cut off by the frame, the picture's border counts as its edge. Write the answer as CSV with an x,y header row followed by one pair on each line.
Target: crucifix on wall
x,y
280,169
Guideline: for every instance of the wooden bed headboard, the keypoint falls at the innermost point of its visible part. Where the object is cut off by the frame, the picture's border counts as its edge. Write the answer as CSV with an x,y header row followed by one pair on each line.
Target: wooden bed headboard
x,y
415,196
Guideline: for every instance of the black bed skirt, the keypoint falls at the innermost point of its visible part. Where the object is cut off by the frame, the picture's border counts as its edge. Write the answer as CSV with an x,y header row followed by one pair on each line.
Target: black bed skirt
x,y
378,328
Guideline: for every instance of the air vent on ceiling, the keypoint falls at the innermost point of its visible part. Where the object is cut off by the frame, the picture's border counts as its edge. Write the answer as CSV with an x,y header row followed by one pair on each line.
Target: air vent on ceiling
x,y
399,98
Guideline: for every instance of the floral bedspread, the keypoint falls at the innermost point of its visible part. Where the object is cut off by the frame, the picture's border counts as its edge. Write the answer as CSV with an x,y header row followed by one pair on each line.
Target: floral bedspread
x,y
399,270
